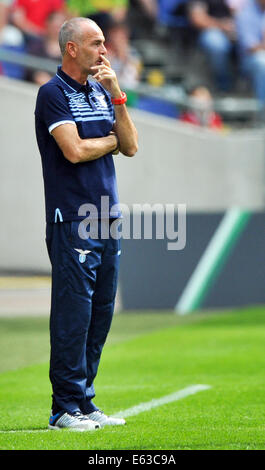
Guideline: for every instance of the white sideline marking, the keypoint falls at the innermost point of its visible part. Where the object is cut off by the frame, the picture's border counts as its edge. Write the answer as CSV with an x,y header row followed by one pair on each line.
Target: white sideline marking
x,y
142,407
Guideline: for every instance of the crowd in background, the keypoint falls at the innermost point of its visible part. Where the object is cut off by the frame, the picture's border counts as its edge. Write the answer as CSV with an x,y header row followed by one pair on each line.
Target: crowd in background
x,y
229,33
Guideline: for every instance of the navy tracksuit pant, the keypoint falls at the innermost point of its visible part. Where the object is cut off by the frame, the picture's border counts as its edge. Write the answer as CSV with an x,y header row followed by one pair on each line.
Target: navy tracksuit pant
x,y
84,284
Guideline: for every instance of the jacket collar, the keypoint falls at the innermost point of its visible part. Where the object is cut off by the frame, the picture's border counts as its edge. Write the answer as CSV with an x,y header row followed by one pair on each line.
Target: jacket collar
x,y
71,82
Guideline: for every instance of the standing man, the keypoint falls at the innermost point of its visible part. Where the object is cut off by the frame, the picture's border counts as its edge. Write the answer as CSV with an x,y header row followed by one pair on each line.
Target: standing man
x,y
80,124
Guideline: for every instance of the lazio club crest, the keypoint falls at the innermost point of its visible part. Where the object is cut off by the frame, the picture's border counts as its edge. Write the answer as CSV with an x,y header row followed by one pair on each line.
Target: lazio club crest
x,y
82,254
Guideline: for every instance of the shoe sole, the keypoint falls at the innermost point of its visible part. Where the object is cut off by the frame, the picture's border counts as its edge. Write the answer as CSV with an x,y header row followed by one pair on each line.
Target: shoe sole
x,y
112,424
57,428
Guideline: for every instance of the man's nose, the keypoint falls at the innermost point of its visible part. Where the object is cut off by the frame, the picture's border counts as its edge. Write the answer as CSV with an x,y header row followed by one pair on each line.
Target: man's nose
x,y
103,49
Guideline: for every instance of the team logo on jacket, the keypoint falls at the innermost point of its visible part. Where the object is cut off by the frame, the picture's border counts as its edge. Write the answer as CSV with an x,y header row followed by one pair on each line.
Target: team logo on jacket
x,y
102,101
82,254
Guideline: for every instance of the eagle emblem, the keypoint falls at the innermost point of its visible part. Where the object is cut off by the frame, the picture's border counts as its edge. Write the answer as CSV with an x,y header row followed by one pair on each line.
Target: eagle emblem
x,y
102,101
82,254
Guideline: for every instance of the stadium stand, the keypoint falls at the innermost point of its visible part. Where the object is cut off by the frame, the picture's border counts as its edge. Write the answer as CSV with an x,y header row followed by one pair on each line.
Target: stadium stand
x,y
167,44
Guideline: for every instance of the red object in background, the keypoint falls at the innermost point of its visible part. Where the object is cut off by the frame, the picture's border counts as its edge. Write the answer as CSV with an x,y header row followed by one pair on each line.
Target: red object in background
x,y
37,11
214,121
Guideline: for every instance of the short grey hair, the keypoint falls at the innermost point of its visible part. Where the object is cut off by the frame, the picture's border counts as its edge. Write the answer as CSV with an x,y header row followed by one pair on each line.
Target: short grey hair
x,y
70,31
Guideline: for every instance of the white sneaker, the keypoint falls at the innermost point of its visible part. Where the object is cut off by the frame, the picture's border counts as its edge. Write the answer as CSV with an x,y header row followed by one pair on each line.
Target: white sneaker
x,y
75,422
104,420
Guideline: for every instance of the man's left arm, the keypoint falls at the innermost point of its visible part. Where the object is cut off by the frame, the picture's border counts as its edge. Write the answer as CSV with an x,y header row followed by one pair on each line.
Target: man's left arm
x,y
125,131
123,127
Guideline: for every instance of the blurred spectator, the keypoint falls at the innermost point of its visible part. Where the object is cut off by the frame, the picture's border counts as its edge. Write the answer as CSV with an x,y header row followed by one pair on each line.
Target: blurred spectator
x,y
30,15
4,8
142,17
214,21
251,39
201,112
11,39
101,11
173,14
124,59
3,21
47,46
235,5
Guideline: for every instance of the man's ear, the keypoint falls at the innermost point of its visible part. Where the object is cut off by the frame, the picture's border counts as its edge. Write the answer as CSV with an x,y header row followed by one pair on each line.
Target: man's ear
x,y
71,48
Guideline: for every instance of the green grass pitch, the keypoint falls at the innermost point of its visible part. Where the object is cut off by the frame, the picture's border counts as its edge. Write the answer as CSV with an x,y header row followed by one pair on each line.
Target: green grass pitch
x,y
147,356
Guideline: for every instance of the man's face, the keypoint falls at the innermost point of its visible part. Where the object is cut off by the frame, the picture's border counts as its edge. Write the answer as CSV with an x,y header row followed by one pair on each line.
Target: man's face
x,y
90,48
